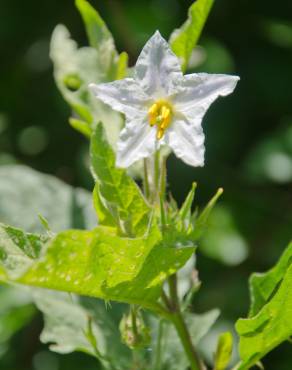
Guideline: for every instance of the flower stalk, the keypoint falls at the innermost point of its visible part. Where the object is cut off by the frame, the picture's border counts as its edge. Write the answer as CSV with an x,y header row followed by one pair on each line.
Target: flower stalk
x,y
172,303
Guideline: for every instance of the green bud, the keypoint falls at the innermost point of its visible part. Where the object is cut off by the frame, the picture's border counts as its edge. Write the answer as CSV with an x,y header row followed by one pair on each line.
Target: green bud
x,y
72,82
134,333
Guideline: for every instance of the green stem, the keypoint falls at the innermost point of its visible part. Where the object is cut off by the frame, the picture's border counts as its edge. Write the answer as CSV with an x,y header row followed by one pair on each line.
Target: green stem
x,y
146,180
158,346
156,177
162,185
173,306
181,328
166,301
185,338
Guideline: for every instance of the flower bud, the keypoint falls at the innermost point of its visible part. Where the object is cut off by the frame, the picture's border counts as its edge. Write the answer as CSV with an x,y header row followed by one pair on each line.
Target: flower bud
x,y
134,332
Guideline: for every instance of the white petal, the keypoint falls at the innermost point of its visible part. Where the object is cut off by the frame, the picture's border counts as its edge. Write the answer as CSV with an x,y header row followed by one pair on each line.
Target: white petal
x,y
125,96
187,141
137,140
199,90
157,69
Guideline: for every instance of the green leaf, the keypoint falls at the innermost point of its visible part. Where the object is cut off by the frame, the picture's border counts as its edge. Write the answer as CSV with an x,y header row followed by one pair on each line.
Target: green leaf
x,y
104,216
173,356
96,29
269,323
73,323
96,263
263,285
101,39
118,191
66,323
18,250
184,39
224,351
26,193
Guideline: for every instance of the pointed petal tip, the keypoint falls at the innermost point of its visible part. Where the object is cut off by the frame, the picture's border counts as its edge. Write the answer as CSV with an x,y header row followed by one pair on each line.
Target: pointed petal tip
x,y
157,36
193,163
235,80
235,77
157,33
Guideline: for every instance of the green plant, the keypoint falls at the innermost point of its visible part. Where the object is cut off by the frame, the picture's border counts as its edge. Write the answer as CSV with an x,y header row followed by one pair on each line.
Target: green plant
x,y
143,239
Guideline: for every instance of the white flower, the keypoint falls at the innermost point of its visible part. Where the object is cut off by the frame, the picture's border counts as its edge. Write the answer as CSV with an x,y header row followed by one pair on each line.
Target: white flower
x,y
162,106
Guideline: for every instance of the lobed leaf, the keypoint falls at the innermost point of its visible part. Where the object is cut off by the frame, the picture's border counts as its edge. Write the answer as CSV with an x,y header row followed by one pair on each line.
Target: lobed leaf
x,y
263,285
73,323
66,323
118,192
184,39
96,263
25,194
269,323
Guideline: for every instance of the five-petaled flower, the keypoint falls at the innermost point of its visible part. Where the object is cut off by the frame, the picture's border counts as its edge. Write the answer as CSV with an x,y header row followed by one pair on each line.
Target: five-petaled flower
x,y
162,106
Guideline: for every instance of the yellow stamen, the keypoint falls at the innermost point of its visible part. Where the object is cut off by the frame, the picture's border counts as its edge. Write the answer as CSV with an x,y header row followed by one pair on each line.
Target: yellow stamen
x,y
160,114
165,113
152,112
160,133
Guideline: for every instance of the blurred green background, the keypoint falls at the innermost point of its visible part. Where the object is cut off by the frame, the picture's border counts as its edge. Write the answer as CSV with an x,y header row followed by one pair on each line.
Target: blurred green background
x,y
248,141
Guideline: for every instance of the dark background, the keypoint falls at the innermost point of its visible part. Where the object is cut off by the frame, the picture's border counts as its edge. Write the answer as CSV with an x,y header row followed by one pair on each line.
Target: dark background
x,y
248,134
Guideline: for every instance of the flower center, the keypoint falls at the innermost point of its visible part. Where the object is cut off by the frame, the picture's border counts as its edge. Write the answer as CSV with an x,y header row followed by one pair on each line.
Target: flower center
x,y
160,114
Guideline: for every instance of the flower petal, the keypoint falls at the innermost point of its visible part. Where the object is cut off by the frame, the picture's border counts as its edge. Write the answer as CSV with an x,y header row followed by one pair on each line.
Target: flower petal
x,y
125,96
200,90
157,69
137,140
187,141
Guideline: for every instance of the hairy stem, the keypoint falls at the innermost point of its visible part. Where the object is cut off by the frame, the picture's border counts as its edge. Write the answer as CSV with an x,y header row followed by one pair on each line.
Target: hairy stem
x,y
181,328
